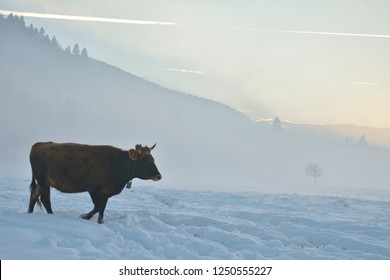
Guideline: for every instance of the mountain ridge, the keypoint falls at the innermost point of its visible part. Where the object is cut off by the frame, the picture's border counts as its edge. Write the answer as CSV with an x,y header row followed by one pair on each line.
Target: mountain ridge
x,y
343,131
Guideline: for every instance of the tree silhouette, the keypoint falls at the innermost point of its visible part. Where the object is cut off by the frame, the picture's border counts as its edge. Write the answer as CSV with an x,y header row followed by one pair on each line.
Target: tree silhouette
x,y
363,141
76,49
67,50
84,53
55,43
276,123
313,170
42,32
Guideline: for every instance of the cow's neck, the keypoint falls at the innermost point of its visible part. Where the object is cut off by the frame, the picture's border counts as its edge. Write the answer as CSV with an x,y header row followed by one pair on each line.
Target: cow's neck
x,y
130,168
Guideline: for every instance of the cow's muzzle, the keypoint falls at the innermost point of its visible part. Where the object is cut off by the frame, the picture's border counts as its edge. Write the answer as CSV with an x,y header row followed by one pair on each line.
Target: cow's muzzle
x,y
158,177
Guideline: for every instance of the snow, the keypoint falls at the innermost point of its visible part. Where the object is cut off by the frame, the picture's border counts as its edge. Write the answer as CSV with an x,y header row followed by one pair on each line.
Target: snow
x,y
161,223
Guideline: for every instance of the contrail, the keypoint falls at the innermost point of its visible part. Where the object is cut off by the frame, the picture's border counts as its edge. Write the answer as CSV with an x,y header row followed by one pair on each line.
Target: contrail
x,y
290,31
82,18
326,33
364,83
148,22
183,70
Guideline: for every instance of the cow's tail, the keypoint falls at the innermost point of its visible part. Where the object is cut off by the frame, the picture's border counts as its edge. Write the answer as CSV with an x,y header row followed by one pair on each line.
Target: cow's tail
x,y
33,188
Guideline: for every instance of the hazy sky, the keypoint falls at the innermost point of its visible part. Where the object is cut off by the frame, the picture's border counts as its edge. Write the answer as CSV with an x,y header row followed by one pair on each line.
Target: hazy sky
x,y
305,61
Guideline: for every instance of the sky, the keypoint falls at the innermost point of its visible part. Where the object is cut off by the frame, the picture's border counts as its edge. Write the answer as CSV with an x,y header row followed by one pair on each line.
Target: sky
x,y
306,61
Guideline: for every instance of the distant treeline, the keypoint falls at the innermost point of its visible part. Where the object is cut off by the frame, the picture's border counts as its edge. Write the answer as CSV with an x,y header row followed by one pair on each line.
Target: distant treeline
x,y
12,22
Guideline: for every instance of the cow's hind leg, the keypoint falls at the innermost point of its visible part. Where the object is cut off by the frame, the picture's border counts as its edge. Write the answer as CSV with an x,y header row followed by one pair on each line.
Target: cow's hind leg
x,y
45,198
34,198
35,193
40,192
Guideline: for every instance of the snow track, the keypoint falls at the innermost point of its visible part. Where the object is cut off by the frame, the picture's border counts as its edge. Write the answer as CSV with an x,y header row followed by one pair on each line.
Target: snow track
x,y
155,223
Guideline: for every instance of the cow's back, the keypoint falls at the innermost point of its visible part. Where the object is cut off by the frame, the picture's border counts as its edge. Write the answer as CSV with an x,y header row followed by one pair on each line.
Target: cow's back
x,y
72,167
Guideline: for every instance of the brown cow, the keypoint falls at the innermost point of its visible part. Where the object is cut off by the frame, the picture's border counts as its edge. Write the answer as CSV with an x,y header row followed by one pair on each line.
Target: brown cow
x,y
102,171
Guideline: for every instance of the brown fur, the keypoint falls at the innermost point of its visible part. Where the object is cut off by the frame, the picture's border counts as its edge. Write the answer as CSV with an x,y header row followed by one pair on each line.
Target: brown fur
x,y
102,171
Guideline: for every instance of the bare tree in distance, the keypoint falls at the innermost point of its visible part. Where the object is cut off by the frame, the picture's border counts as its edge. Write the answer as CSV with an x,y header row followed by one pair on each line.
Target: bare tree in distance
x,y
313,170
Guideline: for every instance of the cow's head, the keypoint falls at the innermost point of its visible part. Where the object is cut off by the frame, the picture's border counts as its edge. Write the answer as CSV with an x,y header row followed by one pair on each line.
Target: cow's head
x,y
145,168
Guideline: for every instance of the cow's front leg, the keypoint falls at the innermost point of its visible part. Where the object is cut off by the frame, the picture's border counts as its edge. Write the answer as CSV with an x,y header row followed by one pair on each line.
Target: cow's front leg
x,y
100,202
96,201
89,215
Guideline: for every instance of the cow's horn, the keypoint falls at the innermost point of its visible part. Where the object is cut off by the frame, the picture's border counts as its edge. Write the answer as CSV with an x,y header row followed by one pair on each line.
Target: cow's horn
x,y
151,148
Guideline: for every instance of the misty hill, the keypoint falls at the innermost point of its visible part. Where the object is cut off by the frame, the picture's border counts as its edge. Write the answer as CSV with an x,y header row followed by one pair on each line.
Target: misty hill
x,y
347,132
49,93
52,94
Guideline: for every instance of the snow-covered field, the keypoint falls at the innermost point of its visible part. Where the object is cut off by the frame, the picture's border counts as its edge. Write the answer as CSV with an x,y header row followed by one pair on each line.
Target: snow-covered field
x,y
157,223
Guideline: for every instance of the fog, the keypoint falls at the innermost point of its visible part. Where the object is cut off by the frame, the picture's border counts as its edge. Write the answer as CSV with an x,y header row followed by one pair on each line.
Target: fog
x,y
48,94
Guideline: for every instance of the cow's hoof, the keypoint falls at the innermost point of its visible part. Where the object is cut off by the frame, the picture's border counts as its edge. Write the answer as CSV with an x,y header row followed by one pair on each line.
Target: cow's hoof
x,y
86,216
101,221
128,185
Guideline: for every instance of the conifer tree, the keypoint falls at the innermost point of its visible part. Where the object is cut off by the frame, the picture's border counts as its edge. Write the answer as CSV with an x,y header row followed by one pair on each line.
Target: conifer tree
x,y
67,50
76,49
42,32
84,53
55,42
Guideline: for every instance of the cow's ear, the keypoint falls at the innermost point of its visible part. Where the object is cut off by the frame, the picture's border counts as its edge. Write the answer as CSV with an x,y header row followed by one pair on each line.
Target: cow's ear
x,y
133,154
